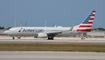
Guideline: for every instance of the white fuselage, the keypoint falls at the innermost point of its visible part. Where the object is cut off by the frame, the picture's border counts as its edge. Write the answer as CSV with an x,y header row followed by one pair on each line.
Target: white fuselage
x,y
34,31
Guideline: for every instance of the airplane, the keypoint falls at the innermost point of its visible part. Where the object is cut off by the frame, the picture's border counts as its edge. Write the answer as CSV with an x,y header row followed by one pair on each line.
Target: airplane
x,y
51,32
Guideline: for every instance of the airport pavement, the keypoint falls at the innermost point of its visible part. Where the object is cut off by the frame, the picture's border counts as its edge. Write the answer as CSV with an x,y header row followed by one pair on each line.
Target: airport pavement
x,y
7,39
50,55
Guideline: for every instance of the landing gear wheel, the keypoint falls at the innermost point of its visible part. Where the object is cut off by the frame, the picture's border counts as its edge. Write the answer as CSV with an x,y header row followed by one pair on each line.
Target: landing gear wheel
x,y
13,38
50,38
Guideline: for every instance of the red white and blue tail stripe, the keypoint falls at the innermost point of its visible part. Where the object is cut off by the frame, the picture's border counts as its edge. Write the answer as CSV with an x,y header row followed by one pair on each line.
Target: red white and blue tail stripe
x,y
86,25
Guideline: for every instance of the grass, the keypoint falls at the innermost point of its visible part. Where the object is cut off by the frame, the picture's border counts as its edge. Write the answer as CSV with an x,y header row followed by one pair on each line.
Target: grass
x,y
53,47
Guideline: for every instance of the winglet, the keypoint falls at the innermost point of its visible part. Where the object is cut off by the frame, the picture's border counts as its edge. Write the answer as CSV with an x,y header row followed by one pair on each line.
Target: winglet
x,y
71,28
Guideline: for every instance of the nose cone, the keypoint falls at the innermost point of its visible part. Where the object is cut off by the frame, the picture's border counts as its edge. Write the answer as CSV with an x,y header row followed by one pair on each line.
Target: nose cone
x,y
6,32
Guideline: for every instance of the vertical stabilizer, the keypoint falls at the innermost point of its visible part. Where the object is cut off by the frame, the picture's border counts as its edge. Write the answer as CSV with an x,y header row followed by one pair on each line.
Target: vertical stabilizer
x,y
86,25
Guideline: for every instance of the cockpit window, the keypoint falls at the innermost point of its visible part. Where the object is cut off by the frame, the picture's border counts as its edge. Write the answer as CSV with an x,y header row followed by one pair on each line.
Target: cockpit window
x,y
14,29
11,29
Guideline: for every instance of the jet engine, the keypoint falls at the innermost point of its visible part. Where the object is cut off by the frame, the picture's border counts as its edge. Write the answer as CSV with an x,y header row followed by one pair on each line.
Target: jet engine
x,y
42,35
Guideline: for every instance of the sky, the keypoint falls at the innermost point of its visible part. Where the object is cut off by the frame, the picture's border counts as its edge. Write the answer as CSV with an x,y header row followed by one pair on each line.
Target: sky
x,y
52,12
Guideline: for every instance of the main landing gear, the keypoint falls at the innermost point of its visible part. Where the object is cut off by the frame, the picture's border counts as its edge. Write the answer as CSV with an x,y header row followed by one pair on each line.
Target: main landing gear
x,y
51,37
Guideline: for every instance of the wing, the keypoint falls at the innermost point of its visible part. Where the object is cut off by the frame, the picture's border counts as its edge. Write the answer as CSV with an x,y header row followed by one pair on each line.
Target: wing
x,y
58,32
54,33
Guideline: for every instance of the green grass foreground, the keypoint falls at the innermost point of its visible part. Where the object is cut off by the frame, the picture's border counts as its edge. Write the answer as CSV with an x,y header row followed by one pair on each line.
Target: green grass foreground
x,y
72,47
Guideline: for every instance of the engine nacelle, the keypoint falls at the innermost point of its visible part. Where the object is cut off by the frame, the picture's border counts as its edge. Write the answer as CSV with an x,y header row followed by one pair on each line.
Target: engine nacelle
x,y
42,35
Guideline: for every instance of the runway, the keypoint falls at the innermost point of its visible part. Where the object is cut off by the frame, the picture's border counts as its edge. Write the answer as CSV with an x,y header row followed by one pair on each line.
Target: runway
x,y
63,40
43,55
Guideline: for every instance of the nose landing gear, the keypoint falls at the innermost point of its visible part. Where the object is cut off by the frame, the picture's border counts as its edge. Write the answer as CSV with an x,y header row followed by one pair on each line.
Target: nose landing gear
x,y
17,37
